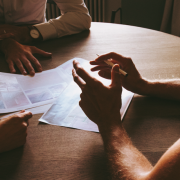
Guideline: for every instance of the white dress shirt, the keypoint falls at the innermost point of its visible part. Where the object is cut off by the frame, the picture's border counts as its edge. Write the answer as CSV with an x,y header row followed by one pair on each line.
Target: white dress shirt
x,y
74,16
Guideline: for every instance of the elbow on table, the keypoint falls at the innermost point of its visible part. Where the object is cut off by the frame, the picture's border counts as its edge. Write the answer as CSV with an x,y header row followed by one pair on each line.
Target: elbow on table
x,y
87,21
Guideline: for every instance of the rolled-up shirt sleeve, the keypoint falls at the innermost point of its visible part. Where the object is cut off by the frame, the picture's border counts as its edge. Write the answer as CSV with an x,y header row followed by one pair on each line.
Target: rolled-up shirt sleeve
x,y
74,19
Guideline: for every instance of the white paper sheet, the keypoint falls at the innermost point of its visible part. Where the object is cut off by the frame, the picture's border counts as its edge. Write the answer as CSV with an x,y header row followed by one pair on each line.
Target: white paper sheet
x,y
66,110
35,110
19,92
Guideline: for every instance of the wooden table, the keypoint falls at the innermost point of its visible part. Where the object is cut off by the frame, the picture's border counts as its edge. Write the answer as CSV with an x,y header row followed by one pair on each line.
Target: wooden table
x,y
59,153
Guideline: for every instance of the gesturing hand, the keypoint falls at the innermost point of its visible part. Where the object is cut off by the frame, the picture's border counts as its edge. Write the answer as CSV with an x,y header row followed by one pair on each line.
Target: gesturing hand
x,y
100,103
133,82
22,56
13,131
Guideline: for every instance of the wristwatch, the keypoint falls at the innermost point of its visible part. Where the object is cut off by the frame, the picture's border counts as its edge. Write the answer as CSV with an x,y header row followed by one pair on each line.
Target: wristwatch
x,y
34,33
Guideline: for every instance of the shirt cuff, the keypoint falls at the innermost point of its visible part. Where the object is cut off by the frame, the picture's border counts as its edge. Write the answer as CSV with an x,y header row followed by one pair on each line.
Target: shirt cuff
x,y
47,30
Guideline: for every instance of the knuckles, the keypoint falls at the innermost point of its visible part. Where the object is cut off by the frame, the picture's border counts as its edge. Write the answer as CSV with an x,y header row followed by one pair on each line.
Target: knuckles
x,y
129,60
21,117
112,54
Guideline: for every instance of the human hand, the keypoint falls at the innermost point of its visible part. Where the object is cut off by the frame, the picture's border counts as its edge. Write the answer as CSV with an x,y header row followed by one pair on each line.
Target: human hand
x,y
133,82
6,36
22,56
13,130
19,33
100,103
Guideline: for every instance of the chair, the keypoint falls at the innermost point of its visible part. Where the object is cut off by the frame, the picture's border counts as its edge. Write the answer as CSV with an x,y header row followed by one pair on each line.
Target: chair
x,y
142,13
52,10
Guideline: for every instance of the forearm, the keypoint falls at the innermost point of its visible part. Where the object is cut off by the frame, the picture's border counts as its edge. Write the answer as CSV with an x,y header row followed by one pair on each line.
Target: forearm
x,y
74,19
169,89
67,24
125,161
20,33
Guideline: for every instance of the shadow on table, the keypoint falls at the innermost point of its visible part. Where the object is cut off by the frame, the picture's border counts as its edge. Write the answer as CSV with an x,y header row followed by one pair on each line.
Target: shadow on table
x,y
153,125
9,162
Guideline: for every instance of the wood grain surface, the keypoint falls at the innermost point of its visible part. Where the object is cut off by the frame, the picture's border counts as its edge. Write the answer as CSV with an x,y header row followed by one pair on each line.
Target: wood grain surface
x,y
59,153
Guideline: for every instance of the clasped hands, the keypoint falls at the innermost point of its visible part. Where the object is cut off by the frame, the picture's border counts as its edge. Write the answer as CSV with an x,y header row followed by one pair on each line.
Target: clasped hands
x,y
13,40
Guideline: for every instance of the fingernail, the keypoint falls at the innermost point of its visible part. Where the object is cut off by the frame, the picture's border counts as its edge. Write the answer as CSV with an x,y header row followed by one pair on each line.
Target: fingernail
x,y
32,73
40,69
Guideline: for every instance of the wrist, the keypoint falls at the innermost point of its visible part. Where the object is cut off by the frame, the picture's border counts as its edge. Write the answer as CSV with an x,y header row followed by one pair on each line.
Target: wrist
x,y
109,123
24,35
142,87
111,135
4,45
34,34
146,88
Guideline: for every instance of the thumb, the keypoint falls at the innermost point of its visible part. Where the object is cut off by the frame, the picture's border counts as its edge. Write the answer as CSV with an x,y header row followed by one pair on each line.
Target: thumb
x,y
115,76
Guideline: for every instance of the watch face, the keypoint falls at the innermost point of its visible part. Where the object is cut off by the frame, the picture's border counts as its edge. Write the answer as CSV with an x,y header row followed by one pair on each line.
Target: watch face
x,y
34,33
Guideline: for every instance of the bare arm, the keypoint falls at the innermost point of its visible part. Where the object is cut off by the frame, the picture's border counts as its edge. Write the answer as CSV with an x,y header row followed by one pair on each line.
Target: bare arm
x,y
102,104
125,161
134,81
169,89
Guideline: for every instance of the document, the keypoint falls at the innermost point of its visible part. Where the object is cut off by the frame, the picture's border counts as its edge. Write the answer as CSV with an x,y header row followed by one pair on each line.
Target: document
x,y
66,111
19,92
53,92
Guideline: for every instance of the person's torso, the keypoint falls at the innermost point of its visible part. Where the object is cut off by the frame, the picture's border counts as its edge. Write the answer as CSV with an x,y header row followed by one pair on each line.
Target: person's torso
x,y
22,11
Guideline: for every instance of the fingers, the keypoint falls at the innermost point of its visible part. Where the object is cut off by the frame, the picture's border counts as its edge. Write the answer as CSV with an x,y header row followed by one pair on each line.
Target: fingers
x,y
116,58
18,64
36,63
111,55
77,79
25,116
33,60
25,62
83,74
22,116
102,63
97,68
35,50
22,111
115,77
105,74
11,66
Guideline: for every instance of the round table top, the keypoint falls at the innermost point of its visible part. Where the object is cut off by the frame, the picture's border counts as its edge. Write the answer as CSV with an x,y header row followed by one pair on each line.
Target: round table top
x,y
53,152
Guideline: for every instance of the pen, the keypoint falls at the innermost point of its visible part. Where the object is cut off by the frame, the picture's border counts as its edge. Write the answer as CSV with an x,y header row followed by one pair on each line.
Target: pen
x,y
112,64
